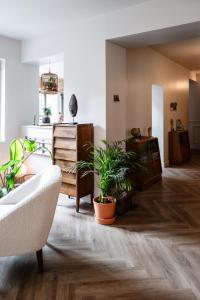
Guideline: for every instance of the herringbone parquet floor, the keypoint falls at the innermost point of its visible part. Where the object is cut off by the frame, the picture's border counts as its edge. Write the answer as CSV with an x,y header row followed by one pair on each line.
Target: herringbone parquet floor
x,y
152,253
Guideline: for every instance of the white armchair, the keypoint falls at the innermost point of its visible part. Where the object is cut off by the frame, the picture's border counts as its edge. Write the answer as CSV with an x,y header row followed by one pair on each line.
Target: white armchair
x,y
26,214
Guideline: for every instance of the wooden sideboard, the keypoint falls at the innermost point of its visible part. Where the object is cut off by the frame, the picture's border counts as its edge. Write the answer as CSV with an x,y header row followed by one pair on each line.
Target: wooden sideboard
x,y
147,151
179,147
68,147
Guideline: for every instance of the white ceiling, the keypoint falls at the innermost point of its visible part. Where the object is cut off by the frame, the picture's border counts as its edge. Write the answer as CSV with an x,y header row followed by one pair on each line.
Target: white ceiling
x,y
29,18
180,43
185,53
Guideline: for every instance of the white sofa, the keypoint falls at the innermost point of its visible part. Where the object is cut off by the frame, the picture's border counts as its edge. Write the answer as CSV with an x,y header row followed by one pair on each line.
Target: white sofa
x,y
26,214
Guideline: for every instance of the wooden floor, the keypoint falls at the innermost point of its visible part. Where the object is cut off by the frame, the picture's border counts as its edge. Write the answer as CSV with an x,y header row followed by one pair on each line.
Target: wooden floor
x,y
153,252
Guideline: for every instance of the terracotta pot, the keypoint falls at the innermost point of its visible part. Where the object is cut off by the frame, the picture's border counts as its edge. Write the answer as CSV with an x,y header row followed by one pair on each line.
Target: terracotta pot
x,y
105,212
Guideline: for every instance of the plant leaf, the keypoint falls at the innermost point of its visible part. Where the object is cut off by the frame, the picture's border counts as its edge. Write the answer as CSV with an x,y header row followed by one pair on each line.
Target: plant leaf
x,y
29,145
10,181
16,150
7,165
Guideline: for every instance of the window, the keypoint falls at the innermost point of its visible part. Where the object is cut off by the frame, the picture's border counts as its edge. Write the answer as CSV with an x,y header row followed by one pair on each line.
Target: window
x,y
54,101
2,99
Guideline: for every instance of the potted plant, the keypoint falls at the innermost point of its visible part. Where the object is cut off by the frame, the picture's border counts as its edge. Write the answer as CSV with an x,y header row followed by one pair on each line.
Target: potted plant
x,y
20,151
47,113
111,163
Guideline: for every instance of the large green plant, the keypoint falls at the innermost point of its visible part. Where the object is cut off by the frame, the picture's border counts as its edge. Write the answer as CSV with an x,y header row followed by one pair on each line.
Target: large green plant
x,y
112,164
20,151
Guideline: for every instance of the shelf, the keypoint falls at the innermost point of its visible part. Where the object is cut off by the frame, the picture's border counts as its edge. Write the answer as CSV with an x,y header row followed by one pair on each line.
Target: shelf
x,y
50,93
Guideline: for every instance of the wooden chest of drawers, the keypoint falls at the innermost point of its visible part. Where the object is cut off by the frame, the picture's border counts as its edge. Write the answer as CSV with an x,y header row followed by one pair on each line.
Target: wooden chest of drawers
x,y
69,146
179,147
147,150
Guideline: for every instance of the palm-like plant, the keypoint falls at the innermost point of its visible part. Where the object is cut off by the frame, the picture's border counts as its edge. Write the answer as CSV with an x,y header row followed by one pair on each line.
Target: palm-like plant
x,y
112,164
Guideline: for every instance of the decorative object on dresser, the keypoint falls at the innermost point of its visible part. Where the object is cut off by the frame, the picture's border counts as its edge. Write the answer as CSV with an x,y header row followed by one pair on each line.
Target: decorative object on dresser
x,y
73,107
147,150
179,125
149,132
172,124
179,147
135,132
60,117
69,146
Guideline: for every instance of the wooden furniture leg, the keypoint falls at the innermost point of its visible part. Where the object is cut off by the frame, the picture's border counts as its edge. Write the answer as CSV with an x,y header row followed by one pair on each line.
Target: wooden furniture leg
x,y
91,198
39,255
77,204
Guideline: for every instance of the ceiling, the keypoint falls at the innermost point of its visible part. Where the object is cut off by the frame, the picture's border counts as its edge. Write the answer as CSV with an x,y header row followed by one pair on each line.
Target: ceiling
x,y
23,19
180,43
185,53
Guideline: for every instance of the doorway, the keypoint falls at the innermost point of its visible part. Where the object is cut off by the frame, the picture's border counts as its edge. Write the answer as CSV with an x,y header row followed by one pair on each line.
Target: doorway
x,y
158,116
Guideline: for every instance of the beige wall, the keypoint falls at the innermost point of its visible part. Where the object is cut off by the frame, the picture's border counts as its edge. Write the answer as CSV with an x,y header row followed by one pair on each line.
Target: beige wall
x,y
145,67
116,84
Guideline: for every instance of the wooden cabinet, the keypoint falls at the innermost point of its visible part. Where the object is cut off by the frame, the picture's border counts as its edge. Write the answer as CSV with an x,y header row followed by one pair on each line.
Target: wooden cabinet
x,y
147,150
179,147
69,146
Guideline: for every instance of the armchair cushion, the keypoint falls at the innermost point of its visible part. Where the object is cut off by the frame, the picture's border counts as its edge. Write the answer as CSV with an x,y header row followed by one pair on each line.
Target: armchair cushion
x,y
5,210
25,226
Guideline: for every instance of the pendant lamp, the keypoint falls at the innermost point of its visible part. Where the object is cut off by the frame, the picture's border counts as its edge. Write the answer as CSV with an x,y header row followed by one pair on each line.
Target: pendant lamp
x,y
49,82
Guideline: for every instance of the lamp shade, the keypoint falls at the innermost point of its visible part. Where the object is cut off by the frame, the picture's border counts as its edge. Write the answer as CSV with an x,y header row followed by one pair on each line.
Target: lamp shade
x,y
49,83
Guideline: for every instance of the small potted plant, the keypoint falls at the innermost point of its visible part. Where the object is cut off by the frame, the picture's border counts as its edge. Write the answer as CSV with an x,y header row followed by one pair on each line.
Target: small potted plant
x,y
47,113
111,163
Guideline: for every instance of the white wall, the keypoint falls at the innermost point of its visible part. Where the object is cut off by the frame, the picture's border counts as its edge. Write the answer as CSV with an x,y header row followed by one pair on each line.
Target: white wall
x,y
116,81
158,116
146,67
55,67
83,45
84,69
84,60
21,87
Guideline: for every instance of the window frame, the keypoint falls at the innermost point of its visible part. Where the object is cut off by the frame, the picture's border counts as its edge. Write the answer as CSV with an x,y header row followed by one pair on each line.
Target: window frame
x,y
2,99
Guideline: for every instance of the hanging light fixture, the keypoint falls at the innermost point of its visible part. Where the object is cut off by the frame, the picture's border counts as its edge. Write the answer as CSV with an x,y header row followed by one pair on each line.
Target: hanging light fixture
x,y
49,82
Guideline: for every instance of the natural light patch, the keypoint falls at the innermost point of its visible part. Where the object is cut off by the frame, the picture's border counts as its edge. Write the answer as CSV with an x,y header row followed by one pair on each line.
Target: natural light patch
x,y
2,99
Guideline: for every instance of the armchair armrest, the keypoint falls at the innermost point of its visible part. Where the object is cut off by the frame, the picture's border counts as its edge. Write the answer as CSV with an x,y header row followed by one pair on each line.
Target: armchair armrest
x,y
20,192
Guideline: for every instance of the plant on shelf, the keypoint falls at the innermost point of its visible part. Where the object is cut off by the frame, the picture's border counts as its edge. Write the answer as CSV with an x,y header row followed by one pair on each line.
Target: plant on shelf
x,y
20,151
47,113
112,165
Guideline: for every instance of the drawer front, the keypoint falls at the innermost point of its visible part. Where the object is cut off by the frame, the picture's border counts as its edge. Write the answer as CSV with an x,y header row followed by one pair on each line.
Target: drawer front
x,y
64,165
65,154
69,178
65,132
65,143
68,189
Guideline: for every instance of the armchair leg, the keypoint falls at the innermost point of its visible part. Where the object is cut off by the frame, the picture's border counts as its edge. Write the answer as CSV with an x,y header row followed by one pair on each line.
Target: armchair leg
x,y
77,204
39,255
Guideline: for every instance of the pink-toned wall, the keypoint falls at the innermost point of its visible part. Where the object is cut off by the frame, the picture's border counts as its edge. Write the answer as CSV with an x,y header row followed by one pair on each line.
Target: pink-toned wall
x,y
145,67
